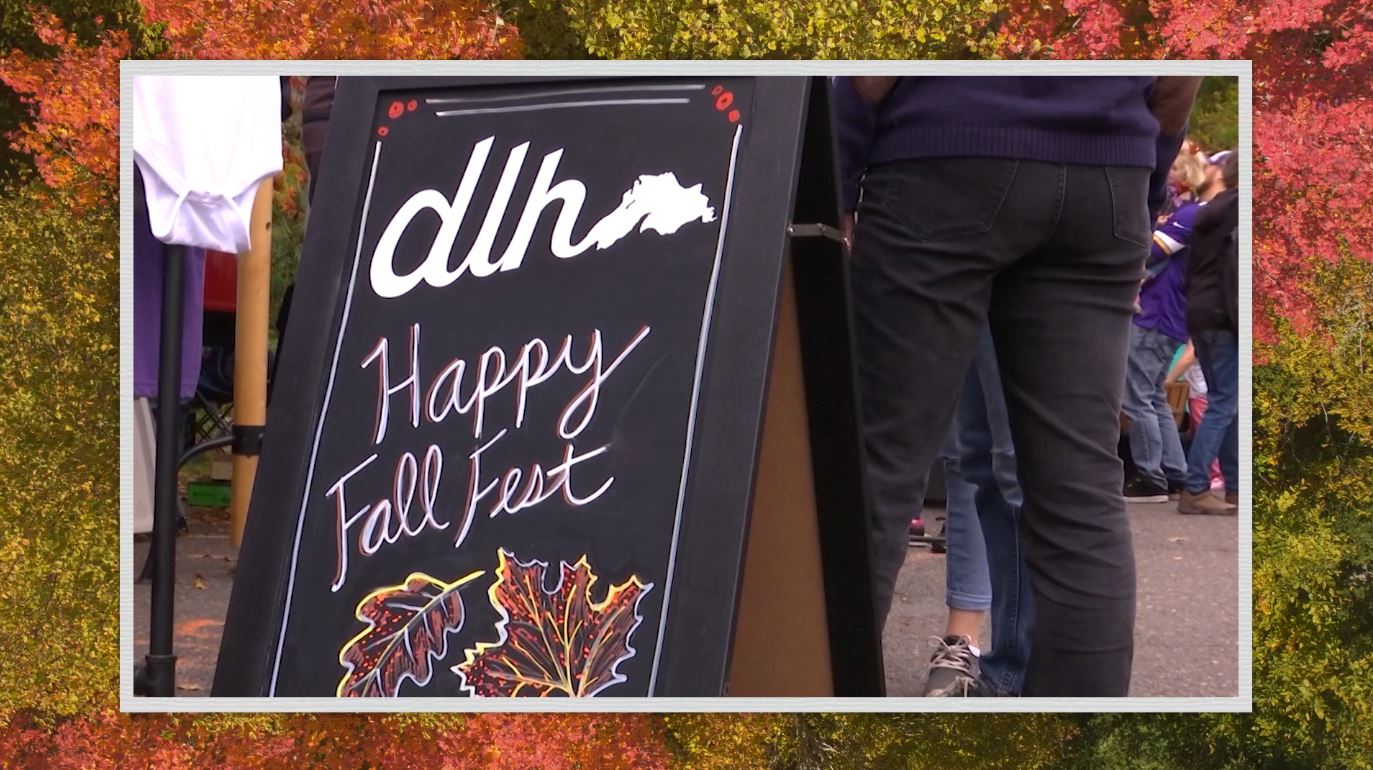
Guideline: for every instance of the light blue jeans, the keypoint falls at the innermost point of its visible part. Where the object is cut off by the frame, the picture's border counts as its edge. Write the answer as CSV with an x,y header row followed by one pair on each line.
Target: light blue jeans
x,y
1154,443
984,570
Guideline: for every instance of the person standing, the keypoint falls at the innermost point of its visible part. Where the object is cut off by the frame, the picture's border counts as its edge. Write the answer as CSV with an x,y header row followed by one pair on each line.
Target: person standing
x,y
1213,320
983,566
1025,202
318,103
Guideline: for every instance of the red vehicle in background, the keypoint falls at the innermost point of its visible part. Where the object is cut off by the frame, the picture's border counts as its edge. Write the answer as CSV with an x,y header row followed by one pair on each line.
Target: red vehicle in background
x,y
221,283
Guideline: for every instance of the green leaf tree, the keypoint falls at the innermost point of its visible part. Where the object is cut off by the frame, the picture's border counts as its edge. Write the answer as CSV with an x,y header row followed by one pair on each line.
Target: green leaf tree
x,y
59,449
754,29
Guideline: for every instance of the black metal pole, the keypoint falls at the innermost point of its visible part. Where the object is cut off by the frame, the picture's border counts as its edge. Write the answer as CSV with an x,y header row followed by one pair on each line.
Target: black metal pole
x,y
161,663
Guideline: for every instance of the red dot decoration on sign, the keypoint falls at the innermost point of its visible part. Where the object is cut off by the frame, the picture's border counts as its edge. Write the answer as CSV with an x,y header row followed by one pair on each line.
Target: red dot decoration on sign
x,y
412,105
383,131
723,100
396,109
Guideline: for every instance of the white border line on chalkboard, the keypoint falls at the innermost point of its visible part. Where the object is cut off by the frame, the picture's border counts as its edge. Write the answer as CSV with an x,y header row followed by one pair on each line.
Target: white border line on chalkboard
x,y
563,92
1240,69
319,426
557,106
695,397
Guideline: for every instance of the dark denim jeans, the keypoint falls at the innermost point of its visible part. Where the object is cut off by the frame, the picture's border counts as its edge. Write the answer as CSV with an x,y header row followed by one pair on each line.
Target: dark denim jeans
x,y
983,567
1051,256
1218,434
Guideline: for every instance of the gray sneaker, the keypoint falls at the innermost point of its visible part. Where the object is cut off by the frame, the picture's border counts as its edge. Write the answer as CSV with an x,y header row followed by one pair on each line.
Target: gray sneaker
x,y
953,669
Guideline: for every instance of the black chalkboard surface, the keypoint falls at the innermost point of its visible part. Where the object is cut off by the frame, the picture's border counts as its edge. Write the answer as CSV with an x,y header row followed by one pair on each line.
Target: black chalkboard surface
x,y
513,449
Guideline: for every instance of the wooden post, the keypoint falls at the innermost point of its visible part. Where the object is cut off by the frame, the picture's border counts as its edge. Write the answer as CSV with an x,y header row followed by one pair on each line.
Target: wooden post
x,y
250,358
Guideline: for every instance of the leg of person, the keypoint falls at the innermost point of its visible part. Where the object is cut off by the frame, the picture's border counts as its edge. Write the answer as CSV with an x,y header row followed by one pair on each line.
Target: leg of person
x,y
953,669
1173,461
988,462
1061,321
1217,354
1146,445
1229,458
1217,478
144,466
1225,363
312,136
925,253
1196,408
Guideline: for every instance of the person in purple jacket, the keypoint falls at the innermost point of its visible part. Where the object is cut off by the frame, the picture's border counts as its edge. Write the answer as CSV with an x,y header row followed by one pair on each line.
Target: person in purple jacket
x,y
1025,202
1159,330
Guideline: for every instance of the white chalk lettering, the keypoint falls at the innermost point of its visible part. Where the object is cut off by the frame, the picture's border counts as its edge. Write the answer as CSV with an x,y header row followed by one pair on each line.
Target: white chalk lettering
x,y
475,495
385,281
657,202
591,393
545,484
384,387
388,520
344,521
494,371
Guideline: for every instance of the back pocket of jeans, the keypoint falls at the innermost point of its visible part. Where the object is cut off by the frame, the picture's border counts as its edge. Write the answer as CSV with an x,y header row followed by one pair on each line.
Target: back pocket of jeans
x,y
938,198
1130,204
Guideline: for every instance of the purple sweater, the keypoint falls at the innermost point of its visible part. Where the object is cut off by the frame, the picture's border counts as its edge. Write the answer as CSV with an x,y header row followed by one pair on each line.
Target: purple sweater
x,y
1102,121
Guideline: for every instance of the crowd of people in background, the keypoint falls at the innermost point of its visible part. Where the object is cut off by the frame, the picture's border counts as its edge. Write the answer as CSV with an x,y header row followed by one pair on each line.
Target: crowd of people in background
x,y
1189,296
1034,260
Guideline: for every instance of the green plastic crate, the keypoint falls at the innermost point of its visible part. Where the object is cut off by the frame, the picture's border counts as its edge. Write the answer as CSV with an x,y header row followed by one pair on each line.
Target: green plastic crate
x,y
208,494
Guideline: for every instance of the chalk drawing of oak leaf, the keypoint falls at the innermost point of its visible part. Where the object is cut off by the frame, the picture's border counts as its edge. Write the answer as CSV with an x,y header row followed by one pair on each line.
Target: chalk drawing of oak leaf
x,y
655,202
407,630
553,642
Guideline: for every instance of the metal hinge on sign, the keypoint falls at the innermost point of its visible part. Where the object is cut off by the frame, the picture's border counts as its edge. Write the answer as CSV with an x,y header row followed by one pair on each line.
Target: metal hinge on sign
x,y
815,231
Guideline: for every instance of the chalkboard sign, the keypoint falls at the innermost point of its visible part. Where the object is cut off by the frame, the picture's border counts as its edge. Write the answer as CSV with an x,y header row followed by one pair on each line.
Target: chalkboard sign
x,y
513,449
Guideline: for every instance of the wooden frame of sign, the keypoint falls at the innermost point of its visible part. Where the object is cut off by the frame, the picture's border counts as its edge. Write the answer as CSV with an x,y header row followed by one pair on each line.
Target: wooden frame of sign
x,y
530,452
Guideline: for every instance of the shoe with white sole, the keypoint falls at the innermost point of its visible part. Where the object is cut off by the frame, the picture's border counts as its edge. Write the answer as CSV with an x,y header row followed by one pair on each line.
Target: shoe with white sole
x,y
1145,491
953,669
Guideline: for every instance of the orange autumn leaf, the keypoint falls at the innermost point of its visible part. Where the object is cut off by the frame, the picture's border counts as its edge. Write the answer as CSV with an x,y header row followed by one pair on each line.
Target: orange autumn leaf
x,y
553,642
72,93
73,137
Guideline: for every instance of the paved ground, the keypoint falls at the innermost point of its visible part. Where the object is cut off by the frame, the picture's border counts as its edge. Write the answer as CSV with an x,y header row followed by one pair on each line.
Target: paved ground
x,y
1186,626
205,565
1185,633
